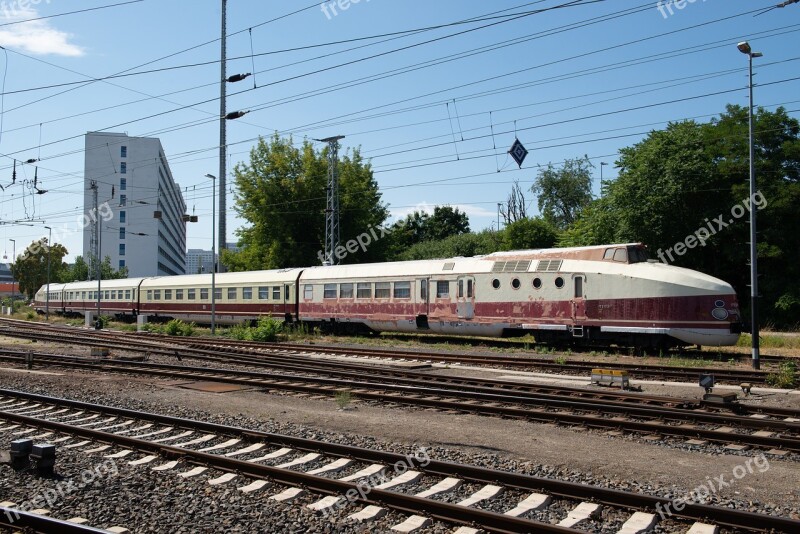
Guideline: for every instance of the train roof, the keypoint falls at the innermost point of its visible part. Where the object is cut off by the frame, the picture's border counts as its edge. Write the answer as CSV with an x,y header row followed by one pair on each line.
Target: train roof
x,y
278,276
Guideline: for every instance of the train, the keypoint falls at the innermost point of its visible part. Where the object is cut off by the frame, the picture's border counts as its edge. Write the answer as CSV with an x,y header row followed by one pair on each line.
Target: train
x,y
599,295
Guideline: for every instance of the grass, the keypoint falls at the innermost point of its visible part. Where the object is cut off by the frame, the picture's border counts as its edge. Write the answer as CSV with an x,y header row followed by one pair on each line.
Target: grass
x,y
771,341
343,398
785,377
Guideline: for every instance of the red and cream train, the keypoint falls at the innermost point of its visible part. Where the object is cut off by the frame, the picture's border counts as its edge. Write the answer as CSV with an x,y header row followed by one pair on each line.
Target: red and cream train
x,y
594,295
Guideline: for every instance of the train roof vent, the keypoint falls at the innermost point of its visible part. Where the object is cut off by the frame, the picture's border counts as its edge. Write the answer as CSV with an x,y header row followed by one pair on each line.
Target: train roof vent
x,y
449,266
521,266
549,266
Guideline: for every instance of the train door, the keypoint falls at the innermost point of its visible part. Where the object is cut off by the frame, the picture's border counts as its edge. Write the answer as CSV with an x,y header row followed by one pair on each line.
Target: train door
x,y
465,295
579,297
423,303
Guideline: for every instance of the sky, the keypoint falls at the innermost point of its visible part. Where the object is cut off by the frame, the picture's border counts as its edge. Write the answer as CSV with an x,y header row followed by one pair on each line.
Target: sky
x,y
433,92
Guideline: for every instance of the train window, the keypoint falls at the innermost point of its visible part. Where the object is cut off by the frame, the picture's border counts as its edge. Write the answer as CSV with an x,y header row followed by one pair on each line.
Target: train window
x,y
470,288
179,294
287,292
402,290
609,255
442,289
263,293
383,290
461,289
276,293
364,290
637,255
107,296
167,294
156,294
515,283
423,290
233,293
308,292
559,282
127,294
578,287
218,293
496,283
204,294
330,291
83,295
345,291
247,293
537,283
621,254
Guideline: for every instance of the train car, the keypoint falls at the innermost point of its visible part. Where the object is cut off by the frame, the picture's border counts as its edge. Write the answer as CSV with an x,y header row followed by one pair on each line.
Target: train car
x,y
592,295
55,303
118,298
239,296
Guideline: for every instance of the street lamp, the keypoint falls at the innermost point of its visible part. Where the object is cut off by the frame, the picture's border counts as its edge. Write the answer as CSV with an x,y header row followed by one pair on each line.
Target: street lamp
x,y
13,278
744,48
213,254
47,301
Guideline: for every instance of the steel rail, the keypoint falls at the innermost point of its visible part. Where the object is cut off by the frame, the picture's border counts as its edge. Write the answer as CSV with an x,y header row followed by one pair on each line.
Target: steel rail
x,y
16,519
454,400
572,490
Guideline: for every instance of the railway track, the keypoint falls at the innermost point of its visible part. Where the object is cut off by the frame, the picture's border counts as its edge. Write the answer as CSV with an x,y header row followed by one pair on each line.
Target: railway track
x,y
155,343
772,429
364,481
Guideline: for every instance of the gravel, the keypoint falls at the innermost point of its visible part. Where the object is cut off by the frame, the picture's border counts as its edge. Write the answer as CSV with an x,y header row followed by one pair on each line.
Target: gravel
x,y
145,501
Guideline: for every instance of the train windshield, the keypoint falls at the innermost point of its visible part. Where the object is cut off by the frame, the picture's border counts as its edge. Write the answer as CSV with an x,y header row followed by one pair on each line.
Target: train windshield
x,y
637,255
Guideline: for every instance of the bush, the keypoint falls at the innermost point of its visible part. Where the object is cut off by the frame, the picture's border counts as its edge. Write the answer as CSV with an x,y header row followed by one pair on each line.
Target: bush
x,y
240,332
176,327
266,330
785,378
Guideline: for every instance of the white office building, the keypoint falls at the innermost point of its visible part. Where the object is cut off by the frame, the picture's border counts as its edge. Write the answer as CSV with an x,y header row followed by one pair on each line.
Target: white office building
x,y
141,208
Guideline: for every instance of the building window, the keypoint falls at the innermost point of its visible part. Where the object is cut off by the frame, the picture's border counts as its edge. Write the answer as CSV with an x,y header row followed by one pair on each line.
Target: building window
x,y
123,151
123,184
122,249
123,200
442,289
276,293
402,290
191,294
346,291
204,294
232,293
122,217
123,168
383,290
263,293
308,292
122,233
121,264
247,293
330,291
364,290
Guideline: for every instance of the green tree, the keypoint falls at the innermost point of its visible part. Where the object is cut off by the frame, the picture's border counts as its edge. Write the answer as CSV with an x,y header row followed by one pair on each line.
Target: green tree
x,y
526,234
446,221
466,245
282,196
80,271
30,269
564,192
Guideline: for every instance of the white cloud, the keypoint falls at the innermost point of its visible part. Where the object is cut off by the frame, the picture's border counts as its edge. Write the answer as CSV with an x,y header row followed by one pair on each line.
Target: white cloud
x,y
37,37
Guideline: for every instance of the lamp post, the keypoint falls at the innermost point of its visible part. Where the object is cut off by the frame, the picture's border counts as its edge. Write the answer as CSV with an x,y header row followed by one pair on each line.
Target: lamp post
x,y
213,254
47,301
744,48
13,278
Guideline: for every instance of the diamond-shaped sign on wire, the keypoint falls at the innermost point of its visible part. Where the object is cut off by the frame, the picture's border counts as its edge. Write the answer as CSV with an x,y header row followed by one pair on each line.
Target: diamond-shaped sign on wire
x,y
518,152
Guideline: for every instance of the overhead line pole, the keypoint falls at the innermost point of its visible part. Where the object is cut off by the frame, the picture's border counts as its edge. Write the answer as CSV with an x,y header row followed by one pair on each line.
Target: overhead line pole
x,y
223,132
332,232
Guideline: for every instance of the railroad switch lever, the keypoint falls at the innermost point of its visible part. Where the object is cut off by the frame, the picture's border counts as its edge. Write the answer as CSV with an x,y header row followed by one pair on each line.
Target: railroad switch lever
x,y
707,383
43,456
746,388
